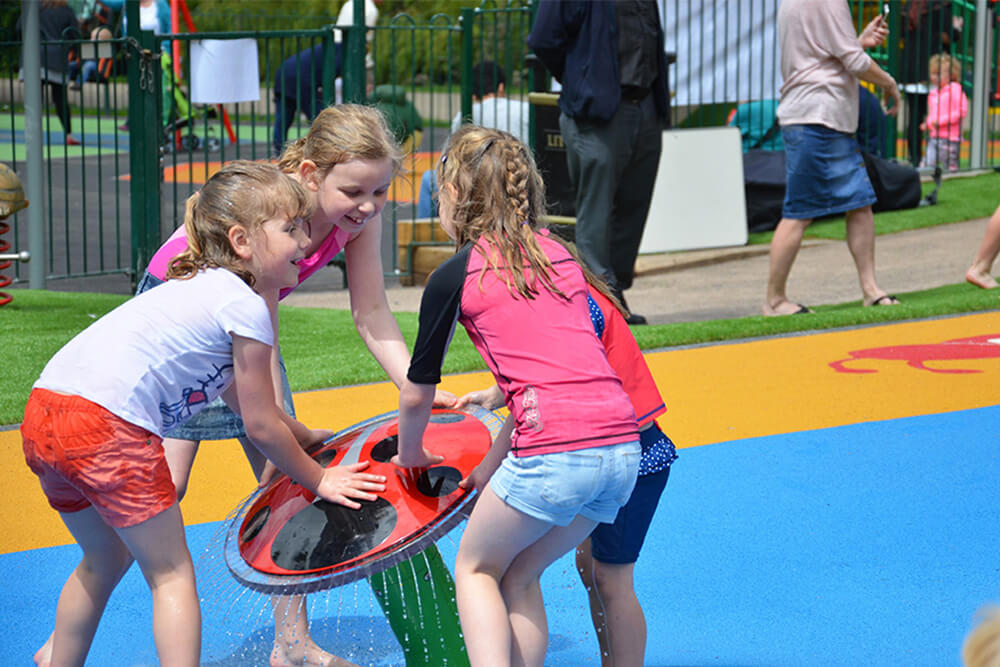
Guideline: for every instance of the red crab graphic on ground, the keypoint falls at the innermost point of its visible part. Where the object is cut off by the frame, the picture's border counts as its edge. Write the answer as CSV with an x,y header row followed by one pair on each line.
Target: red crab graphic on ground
x,y
986,346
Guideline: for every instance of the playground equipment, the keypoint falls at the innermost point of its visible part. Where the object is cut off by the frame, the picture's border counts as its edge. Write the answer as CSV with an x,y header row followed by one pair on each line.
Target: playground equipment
x,y
285,540
12,200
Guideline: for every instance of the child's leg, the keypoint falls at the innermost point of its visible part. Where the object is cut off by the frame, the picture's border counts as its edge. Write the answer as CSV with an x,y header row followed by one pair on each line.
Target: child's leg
x,y
494,536
626,624
523,593
953,150
598,614
159,546
86,592
503,547
180,457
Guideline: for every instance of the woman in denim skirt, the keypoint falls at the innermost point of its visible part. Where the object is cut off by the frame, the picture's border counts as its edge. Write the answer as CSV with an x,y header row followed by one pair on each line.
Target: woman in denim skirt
x,y
821,62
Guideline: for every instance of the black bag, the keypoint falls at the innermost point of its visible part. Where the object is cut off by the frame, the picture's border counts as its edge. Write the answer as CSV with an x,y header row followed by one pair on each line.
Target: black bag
x,y
764,188
896,185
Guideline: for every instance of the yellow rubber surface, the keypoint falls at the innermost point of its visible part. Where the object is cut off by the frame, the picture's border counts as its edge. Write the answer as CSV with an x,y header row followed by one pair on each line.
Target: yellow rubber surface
x,y
713,394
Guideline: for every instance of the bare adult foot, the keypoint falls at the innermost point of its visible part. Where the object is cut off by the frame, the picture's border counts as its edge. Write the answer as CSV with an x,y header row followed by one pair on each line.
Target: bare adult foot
x,y
43,656
784,308
980,279
304,654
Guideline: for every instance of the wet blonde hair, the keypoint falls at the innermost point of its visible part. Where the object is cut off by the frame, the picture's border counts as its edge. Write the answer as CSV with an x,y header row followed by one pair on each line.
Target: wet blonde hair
x,y
241,193
945,62
499,199
982,645
342,133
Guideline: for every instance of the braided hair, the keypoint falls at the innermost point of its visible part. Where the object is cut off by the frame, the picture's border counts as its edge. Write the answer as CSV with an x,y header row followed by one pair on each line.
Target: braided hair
x,y
499,199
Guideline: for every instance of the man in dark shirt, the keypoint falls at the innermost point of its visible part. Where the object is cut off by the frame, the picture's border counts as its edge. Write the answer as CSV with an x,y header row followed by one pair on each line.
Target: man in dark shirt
x,y
609,59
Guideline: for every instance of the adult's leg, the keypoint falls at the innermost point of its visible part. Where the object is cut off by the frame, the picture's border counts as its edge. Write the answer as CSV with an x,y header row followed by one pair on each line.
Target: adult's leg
x,y
160,547
495,535
643,136
60,99
982,266
785,246
590,159
285,110
86,591
861,243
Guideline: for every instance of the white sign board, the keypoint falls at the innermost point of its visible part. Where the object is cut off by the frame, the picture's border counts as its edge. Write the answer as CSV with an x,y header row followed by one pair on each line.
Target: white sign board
x,y
224,71
698,199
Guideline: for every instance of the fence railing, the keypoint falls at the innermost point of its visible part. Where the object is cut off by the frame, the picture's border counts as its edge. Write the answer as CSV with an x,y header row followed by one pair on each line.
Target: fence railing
x,y
145,145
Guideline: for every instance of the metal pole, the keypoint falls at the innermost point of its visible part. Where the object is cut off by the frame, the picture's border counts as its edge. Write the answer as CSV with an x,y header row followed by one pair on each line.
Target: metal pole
x,y
33,143
980,87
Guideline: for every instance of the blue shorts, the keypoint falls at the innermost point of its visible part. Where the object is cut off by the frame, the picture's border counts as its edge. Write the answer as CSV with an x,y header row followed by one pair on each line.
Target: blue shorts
x,y
555,488
620,542
216,421
824,173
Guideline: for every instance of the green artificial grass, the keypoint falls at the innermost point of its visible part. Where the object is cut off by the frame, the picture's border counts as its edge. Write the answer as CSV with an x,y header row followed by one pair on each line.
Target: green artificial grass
x,y
322,348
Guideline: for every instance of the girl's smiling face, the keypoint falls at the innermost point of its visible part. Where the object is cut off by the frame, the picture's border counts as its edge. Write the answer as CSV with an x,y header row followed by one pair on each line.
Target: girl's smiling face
x,y
352,193
277,247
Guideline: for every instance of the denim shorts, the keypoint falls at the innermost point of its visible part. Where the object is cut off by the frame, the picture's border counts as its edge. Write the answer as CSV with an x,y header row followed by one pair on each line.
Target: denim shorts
x,y
555,488
216,421
824,173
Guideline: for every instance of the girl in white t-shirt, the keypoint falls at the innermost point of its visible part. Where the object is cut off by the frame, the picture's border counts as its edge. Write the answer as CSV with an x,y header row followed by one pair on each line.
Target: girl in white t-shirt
x,y
93,423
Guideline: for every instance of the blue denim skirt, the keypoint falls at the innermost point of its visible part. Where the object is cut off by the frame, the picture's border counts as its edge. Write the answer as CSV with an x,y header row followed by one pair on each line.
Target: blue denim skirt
x,y
824,173
216,421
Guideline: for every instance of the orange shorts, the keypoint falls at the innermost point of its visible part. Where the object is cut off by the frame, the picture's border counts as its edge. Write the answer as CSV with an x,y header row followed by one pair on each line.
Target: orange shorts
x,y
84,455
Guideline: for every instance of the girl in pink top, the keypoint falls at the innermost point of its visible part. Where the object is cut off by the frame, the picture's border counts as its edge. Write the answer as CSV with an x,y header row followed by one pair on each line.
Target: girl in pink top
x,y
568,454
947,107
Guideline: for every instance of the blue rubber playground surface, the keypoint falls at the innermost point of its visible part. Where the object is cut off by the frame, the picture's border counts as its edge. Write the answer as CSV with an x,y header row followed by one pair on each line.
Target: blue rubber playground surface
x,y
814,517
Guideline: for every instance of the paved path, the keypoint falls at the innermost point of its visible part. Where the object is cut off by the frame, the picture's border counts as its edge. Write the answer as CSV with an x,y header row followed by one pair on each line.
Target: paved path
x,y
730,282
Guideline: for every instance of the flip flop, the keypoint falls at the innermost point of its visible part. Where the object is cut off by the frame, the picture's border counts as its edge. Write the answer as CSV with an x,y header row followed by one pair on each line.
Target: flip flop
x,y
885,300
802,310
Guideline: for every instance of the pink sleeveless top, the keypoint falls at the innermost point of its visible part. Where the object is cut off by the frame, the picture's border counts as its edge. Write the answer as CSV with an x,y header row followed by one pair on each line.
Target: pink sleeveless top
x,y
328,249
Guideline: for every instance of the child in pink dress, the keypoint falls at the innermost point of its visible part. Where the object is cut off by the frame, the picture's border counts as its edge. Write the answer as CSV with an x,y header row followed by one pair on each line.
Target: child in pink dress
x,y
947,106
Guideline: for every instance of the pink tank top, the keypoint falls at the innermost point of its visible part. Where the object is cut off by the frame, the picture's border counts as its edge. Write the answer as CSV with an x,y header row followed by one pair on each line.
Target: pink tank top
x,y
328,249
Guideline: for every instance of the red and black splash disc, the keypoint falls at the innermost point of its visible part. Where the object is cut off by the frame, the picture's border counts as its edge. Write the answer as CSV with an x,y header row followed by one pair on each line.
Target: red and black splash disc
x,y
285,539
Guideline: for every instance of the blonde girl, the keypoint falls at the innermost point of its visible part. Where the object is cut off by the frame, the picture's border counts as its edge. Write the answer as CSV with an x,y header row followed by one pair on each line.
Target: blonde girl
x,y
947,106
94,421
345,164
568,454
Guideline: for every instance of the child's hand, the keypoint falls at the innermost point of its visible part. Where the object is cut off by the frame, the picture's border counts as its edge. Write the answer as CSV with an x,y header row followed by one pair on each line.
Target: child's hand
x,y
444,399
923,127
316,435
479,477
491,398
342,483
267,474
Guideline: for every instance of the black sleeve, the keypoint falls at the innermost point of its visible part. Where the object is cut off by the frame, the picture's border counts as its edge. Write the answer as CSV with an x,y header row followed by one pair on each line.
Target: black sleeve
x,y
439,310
551,36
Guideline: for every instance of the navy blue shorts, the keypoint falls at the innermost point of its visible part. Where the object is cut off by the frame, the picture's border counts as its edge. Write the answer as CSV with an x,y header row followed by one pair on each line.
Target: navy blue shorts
x,y
216,421
620,542
824,172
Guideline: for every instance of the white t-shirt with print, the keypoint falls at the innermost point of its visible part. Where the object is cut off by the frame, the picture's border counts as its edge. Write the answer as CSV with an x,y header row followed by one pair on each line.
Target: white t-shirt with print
x,y
159,358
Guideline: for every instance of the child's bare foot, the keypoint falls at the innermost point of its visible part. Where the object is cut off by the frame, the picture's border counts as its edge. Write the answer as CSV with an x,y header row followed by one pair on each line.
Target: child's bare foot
x,y
305,654
980,279
784,308
43,656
